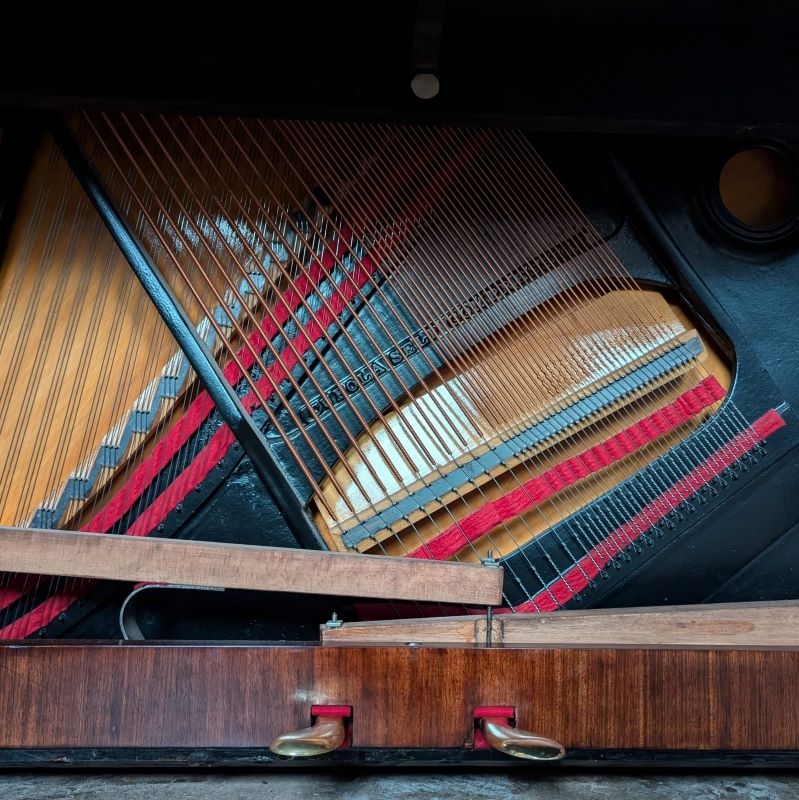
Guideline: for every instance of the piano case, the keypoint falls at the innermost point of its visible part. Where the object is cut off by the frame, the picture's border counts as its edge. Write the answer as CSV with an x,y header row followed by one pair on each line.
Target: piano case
x,y
671,130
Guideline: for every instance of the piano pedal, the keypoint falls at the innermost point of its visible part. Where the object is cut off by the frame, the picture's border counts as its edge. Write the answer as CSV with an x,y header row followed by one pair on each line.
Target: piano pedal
x,y
494,729
330,730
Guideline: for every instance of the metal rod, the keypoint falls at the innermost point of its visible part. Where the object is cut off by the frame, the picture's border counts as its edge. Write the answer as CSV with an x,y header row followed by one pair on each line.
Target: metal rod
x,y
196,351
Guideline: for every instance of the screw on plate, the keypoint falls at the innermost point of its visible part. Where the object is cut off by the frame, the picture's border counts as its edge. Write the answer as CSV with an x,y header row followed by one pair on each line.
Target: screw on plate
x,y
489,560
334,621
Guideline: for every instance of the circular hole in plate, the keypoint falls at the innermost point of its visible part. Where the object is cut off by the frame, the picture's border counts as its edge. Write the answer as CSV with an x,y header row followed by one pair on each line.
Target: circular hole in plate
x,y
759,187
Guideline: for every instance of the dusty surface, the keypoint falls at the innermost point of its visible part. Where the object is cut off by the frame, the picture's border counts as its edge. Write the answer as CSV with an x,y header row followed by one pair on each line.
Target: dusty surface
x,y
396,786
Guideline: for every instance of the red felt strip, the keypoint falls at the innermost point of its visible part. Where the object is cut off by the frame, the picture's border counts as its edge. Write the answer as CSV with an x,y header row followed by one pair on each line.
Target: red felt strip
x,y
9,596
165,450
202,406
331,711
568,472
220,442
579,576
575,580
505,712
40,616
214,450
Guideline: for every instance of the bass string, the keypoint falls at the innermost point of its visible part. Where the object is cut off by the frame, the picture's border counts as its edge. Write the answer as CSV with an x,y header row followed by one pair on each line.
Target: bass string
x,y
316,352
558,300
318,388
345,334
296,385
465,409
285,161
389,395
353,343
154,228
364,329
310,218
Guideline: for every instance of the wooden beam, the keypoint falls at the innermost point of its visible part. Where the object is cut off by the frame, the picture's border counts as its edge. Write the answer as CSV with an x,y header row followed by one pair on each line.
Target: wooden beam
x,y
234,566
768,624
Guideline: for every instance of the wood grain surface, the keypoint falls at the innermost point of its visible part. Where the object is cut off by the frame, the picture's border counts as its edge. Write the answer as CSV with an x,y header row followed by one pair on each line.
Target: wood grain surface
x,y
764,624
109,695
234,566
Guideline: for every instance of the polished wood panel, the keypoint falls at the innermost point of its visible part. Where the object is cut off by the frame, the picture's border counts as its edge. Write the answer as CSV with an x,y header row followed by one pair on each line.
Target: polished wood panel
x,y
237,566
61,695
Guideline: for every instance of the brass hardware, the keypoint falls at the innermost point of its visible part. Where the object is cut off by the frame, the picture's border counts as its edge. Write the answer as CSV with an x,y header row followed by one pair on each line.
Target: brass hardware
x,y
325,735
518,743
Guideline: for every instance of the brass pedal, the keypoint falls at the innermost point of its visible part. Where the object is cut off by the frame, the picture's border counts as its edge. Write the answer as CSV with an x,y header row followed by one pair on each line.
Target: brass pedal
x,y
494,725
328,732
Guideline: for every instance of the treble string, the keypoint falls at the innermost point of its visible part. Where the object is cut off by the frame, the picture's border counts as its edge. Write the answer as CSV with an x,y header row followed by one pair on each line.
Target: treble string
x,y
486,190
410,202
378,284
456,356
219,299
606,253
569,209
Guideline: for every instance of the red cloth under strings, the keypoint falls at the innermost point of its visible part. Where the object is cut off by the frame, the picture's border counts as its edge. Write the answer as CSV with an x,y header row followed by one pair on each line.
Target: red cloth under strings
x,y
219,443
579,576
535,491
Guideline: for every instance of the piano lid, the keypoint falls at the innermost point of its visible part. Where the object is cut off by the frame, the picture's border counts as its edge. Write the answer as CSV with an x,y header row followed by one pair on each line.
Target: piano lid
x,y
620,65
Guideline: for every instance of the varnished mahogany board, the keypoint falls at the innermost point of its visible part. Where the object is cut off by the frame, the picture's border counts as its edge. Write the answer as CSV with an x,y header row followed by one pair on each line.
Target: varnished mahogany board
x,y
150,696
